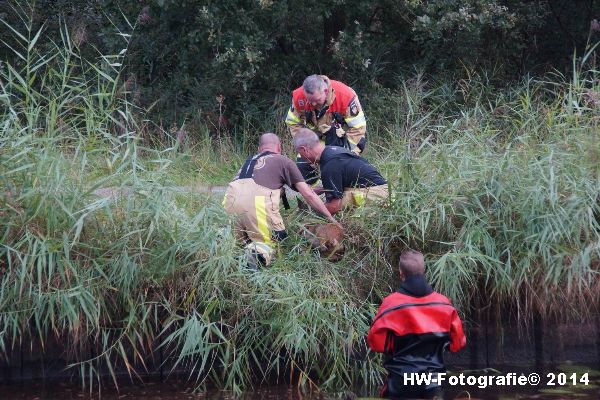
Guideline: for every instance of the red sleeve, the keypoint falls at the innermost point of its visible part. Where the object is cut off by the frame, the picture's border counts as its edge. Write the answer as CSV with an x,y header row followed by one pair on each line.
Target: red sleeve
x,y
298,100
377,333
457,337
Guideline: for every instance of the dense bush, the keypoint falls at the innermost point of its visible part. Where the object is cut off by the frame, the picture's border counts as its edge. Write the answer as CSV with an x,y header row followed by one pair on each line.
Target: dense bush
x,y
185,55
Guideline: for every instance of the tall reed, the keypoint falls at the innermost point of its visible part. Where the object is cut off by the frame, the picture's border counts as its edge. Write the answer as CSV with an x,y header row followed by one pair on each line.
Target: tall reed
x,y
499,189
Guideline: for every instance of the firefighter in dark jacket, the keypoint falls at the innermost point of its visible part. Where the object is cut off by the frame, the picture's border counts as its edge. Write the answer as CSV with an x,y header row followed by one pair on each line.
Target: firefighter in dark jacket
x,y
348,179
413,327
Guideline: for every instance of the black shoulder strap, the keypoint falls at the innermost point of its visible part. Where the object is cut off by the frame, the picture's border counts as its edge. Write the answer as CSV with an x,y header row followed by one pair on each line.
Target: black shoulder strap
x,y
248,167
284,199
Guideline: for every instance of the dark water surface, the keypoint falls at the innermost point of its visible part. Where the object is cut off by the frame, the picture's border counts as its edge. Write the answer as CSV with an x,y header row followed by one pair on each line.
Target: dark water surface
x,y
181,389
149,391
174,391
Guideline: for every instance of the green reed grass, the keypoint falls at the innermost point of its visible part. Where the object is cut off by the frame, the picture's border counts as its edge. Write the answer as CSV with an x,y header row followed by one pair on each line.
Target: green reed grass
x,y
500,190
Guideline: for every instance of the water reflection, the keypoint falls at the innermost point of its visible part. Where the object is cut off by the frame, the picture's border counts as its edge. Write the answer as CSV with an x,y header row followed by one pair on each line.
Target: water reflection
x,y
183,391
178,389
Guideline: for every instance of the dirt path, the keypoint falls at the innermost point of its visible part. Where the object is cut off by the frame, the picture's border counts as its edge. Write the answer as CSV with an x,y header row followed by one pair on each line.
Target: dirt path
x,y
214,189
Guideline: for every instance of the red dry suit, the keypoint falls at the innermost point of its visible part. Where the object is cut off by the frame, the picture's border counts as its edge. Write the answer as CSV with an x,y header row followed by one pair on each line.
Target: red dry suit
x,y
413,331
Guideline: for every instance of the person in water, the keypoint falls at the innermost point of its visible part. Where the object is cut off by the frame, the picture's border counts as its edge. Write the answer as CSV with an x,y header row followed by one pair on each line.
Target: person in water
x,y
413,327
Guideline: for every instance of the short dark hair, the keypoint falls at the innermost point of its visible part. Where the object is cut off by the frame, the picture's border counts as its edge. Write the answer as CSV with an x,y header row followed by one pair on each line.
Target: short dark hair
x,y
411,263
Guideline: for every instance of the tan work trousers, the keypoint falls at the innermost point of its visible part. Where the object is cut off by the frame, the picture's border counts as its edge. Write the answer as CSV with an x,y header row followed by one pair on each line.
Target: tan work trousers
x,y
256,209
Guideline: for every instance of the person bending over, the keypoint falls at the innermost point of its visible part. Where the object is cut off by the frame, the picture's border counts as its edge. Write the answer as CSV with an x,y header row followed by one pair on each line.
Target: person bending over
x,y
332,110
348,179
254,195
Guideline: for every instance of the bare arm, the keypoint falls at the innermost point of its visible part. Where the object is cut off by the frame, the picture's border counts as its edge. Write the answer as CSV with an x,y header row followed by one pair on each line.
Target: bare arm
x,y
314,201
334,205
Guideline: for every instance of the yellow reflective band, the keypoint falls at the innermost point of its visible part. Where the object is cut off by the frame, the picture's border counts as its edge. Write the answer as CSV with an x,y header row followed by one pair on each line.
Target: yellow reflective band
x,y
357,122
359,198
351,141
264,249
291,118
261,218
224,200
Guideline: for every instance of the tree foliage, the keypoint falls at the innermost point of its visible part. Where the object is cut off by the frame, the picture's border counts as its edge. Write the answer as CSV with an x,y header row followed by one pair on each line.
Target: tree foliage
x,y
186,54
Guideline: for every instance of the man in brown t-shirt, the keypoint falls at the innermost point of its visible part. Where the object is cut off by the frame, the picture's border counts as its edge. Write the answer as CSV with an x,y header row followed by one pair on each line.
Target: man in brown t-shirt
x,y
254,195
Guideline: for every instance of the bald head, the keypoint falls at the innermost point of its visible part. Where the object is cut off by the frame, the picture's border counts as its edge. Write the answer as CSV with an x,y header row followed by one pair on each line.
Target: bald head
x,y
412,263
268,140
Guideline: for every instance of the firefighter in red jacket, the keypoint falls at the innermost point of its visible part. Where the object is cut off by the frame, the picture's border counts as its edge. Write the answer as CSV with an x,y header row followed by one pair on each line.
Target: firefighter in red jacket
x,y
332,110
413,327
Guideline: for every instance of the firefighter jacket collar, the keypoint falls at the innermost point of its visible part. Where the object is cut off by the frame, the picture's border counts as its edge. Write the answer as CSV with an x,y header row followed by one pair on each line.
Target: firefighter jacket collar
x,y
330,92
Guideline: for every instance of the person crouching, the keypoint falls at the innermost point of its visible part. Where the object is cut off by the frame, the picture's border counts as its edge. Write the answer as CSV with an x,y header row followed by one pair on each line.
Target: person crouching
x,y
253,197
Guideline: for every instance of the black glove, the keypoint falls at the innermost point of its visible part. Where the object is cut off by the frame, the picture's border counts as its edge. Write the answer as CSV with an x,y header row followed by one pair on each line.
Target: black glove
x,y
332,138
332,131
361,144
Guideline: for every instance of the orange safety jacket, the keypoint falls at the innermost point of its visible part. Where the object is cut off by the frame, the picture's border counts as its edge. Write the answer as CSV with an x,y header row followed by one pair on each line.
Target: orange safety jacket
x,y
341,107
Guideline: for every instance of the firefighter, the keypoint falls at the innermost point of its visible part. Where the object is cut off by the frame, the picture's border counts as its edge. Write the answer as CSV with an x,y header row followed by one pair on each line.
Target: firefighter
x,y
332,110
412,328
348,179
254,196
